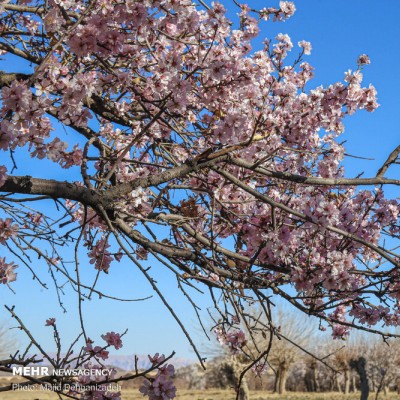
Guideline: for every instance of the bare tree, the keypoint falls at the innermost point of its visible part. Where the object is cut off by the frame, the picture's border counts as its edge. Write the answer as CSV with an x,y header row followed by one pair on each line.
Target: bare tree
x,y
8,342
283,339
295,332
383,366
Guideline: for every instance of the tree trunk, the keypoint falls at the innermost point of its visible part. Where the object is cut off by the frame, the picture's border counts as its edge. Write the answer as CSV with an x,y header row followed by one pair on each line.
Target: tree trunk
x,y
308,381
311,379
244,393
282,380
332,383
386,390
382,385
315,379
359,366
346,381
243,390
277,374
338,384
354,384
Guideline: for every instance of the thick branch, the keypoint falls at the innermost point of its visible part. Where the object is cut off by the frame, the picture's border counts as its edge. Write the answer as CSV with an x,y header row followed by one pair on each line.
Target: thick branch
x,y
20,53
153,180
7,78
378,180
14,7
52,188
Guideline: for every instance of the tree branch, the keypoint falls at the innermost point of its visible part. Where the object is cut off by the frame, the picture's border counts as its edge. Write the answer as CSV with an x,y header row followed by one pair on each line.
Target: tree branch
x,y
314,181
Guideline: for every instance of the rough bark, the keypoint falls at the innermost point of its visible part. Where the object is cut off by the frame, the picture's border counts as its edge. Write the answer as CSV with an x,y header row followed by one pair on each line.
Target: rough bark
x,y
315,380
281,378
338,384
354,385
359,365
276,381
311,378
243,390
346,381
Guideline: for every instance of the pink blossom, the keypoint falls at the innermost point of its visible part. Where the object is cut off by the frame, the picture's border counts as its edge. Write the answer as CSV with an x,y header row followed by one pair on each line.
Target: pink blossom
x,y
287,7
306,46
7,273
7,230
118,256
88,346
95,386
340,331
50,322
113,339
161,387
363,59
16,97
156,359
96,351
100,256
234,339
68,160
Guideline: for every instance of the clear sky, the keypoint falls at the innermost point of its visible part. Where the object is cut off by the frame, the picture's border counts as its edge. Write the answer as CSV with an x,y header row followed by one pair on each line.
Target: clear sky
x,y
339,31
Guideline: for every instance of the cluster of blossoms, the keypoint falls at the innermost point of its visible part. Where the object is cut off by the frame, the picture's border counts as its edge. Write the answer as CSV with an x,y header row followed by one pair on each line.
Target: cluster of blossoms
x,y
94,383
235,339
113,339
160,387
339,330
100,256
29,125
7,230
95,351
98,383
286,10
373,315
7,273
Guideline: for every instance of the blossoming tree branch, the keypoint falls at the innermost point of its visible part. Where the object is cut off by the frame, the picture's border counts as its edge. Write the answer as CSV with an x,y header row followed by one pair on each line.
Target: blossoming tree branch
x,y
188,148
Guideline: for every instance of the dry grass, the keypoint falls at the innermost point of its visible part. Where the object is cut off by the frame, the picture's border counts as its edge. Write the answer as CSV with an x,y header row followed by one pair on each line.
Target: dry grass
x,y
229,395
203,395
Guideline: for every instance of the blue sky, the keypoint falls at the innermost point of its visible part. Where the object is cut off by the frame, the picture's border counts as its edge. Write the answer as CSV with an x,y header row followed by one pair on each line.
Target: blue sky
x,y
339,31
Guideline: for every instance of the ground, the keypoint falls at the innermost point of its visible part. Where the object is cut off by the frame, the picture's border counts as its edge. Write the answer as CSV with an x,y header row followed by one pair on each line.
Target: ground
x,y
206,395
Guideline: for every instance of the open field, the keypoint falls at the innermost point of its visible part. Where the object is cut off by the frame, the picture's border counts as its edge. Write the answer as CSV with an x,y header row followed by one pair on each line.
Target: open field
x,y
205,395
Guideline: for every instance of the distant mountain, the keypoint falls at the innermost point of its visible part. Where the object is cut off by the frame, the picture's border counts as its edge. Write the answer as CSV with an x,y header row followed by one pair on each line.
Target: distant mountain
x,y
127,363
